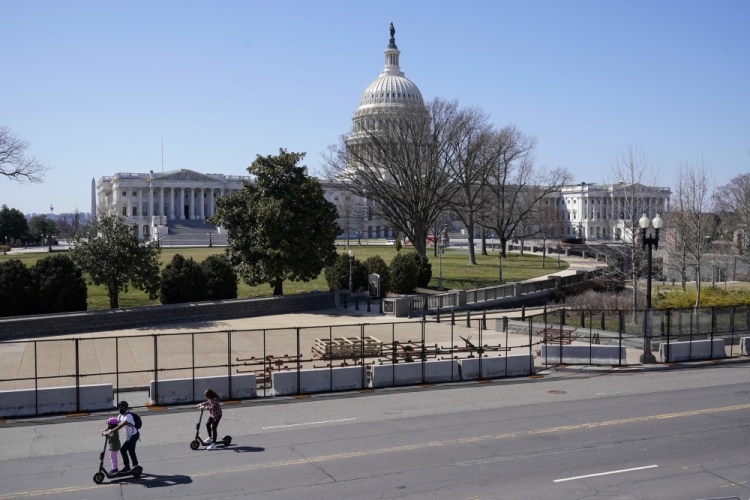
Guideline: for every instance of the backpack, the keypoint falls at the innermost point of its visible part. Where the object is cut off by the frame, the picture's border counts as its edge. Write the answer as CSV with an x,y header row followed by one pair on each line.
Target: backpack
x,y
137,420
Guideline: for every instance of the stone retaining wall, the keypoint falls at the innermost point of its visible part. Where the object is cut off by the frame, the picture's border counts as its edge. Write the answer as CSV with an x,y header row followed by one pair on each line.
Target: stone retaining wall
x,y
117,319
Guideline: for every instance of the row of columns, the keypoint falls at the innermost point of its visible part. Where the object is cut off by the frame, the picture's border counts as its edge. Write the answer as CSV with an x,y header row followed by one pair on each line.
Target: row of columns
x,y
201,202
609,208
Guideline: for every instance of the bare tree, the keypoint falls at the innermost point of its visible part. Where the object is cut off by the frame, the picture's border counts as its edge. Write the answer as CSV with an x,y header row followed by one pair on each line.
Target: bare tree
x,y
400,163
696,223
631,171
732,202
474,160
547,223
14,164
515,186
350,214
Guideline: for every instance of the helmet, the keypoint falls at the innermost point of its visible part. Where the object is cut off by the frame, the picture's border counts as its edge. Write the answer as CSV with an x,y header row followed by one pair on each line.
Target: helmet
x,y
112,421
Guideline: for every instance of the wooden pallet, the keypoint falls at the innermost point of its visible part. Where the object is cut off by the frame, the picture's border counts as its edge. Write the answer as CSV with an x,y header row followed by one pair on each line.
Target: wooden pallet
x,y
346,347
554,335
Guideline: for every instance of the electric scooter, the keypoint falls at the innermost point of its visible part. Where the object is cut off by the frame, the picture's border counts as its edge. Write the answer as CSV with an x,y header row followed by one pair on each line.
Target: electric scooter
x,y
99,476
198,441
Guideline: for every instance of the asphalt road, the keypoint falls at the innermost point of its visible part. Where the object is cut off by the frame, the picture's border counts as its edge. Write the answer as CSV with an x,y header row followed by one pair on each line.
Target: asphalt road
x,y
679,434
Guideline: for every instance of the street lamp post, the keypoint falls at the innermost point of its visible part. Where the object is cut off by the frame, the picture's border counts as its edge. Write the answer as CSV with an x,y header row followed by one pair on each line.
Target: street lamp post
x,y
351,287
649,241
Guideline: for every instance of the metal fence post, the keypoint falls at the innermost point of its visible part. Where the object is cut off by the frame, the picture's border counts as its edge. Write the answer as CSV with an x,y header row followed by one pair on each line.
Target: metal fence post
x,y
299,376
36,382
229,361
468,319
713,330
731,332
78,376
156,369
192,362
669,328
361,355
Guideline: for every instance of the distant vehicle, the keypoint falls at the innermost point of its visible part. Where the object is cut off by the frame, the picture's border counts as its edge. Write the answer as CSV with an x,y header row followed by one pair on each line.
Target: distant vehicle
x,y
390,242
430,242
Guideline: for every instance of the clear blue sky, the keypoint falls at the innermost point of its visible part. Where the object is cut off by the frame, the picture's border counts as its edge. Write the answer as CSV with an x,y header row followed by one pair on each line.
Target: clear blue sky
x,y
95,86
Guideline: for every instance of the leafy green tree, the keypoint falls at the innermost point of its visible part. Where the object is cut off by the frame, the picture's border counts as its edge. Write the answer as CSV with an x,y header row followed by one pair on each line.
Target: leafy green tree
x,y
221,280
111,255
17,291
403,272
41,228
182,280
13,225
280,227
377,265
59,284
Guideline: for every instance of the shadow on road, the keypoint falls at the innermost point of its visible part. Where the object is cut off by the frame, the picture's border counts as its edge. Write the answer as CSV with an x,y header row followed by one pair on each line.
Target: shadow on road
x,y
246,449
157,481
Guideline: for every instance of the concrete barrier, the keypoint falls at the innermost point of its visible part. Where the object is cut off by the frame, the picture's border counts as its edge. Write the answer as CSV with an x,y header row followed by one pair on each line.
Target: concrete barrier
x,y
504,366
745,346
411,373
181,390
595,354
344,378
695,350
23,402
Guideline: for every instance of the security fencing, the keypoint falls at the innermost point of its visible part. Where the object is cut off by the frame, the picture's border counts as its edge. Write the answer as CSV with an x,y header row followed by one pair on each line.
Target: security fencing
x,y
132,362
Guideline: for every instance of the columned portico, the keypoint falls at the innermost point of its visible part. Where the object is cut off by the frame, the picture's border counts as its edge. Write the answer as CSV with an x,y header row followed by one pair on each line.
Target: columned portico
x,y
143,199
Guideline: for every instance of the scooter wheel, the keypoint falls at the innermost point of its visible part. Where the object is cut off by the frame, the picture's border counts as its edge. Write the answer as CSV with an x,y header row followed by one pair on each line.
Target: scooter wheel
x,y
98,478
137,471
227,440
195,444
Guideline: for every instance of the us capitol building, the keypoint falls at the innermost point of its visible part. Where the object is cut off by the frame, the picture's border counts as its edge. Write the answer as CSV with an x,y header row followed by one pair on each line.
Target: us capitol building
x,y
157,204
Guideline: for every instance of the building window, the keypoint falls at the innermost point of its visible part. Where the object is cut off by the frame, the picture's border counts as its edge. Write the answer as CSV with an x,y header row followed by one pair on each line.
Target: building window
x,y
124,193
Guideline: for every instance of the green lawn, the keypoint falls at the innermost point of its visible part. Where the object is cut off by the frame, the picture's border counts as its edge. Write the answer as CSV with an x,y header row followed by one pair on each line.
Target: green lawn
x,y
457,274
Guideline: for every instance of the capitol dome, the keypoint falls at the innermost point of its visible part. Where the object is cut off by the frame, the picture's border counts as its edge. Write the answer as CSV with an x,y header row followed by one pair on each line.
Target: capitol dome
x,y
391,87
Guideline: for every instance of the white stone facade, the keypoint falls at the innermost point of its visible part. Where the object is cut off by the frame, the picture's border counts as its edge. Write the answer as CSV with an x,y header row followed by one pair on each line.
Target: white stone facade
x,y
149,201
607,212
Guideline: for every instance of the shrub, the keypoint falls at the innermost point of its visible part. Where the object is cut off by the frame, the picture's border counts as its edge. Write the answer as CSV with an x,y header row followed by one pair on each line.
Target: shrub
x,y
424,269
337,275
377,265
221,280
182,281
59,285
17,292
403,273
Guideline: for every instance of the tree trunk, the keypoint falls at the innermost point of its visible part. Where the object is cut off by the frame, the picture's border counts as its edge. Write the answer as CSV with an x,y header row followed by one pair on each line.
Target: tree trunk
x,y
278,287
472,255
114,296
